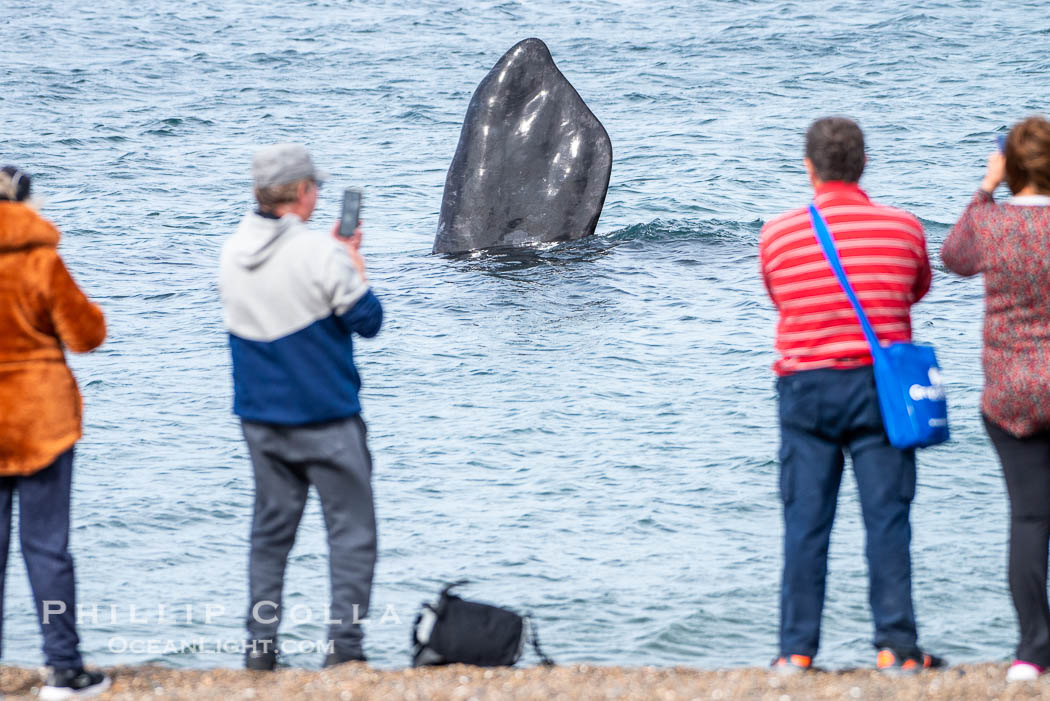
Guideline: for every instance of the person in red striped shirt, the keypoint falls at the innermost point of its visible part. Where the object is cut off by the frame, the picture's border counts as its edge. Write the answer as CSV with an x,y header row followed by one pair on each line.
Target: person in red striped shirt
x,y
827,400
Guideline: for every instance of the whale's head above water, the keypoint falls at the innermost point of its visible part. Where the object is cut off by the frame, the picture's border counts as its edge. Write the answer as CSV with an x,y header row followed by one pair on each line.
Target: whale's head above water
x,y
533,162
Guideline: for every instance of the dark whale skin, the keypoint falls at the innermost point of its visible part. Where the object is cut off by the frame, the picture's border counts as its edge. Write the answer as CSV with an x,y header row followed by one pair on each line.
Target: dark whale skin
x,y
532,164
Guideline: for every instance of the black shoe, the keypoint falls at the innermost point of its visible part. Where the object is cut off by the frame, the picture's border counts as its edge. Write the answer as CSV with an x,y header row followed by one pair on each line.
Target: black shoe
x,y
260,655
73,684
335,658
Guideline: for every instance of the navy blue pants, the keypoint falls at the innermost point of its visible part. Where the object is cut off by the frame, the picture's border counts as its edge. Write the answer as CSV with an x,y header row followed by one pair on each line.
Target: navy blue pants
x,y
43,526
823,415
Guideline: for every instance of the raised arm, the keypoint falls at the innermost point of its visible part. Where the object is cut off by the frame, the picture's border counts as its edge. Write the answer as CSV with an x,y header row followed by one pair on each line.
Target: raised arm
x,y
351,298
961,251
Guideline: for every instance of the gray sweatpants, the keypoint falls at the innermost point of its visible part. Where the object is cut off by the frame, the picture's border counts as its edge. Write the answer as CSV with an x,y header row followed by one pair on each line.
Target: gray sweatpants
x,y
333,457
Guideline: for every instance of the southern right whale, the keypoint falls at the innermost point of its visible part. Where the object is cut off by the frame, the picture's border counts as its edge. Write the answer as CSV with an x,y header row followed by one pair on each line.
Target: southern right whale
x,y
532,164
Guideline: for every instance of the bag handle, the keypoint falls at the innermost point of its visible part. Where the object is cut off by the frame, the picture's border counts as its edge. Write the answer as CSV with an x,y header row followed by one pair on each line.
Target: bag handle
x,y
534,636
450,587
445,594
827,245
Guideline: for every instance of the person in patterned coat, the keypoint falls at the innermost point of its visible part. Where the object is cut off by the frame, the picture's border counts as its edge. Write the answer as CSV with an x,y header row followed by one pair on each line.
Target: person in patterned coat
x,y
1009,242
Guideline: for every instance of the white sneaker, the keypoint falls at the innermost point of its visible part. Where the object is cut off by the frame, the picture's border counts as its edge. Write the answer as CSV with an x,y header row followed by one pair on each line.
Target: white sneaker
x,y
73,684
1023,672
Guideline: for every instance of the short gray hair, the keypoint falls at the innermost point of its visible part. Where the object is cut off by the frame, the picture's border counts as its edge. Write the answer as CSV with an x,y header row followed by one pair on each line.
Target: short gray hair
x,y
270,197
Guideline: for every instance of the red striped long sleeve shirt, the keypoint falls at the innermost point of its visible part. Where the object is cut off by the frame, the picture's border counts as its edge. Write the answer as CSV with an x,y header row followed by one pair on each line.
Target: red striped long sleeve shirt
x,y
883,251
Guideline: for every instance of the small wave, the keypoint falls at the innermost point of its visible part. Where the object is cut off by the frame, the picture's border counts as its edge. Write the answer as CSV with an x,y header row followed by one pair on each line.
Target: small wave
x,y
498,261
677,229
901,22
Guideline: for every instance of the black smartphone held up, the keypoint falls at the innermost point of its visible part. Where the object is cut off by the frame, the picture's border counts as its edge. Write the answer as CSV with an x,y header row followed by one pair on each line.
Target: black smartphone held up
x,y
351,212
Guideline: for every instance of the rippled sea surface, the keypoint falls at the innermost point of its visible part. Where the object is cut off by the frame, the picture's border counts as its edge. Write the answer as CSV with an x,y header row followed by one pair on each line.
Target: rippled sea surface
x,y
587,432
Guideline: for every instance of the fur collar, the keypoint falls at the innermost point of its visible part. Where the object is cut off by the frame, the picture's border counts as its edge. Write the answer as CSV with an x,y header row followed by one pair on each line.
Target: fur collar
x,y
21,227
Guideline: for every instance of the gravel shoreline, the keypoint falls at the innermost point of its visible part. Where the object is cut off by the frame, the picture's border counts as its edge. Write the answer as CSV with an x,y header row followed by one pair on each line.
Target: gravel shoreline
x,y
358,682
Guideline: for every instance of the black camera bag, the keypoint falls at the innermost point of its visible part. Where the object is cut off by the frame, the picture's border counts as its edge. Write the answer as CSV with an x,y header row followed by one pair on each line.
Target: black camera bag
x,y
456,630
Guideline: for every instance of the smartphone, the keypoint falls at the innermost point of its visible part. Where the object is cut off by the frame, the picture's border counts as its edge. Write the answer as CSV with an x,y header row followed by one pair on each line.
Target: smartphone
x,y
351,212
1001,140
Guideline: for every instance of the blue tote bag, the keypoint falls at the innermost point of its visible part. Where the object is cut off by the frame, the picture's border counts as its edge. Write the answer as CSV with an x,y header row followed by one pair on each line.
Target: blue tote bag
x,y
907,377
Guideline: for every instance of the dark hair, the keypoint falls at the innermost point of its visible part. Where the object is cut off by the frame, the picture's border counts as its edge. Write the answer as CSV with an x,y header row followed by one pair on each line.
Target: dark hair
x,y
835,145
1028,155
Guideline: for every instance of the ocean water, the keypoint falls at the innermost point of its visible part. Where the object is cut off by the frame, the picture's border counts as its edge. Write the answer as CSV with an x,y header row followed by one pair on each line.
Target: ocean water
x,y
586,432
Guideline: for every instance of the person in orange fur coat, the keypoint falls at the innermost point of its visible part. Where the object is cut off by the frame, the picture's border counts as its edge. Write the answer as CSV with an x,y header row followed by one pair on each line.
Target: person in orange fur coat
x,y
42,313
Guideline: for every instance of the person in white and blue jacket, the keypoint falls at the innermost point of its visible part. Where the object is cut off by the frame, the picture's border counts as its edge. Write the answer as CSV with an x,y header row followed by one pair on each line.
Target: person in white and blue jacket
x,y
293,299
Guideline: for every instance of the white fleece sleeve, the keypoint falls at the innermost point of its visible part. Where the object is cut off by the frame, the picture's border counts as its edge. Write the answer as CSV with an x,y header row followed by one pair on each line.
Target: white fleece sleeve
x,y
341,280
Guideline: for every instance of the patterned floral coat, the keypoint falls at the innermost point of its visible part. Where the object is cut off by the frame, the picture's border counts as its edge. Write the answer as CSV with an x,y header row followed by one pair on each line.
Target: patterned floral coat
x,y
1010,244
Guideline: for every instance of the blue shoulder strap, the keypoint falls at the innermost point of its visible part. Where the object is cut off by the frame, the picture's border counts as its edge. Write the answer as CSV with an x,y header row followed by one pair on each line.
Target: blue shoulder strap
x,y
828,245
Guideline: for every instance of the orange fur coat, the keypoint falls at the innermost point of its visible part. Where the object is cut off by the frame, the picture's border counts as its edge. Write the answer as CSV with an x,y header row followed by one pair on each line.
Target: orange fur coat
x,y
42,311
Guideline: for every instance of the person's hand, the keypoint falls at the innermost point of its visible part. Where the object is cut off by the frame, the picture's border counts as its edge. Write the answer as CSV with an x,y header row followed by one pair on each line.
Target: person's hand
x,y
995,172
353,246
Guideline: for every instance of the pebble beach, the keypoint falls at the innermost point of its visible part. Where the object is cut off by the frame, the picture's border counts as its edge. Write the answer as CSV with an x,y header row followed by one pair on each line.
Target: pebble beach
x,y
588,433
358,682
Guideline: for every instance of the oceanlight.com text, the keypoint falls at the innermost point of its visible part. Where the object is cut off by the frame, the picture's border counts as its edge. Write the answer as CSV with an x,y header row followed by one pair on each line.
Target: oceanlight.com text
x,y
211,646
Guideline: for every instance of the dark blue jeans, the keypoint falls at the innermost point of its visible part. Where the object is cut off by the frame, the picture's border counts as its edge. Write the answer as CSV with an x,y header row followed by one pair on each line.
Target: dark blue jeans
x,y
823,415
43,526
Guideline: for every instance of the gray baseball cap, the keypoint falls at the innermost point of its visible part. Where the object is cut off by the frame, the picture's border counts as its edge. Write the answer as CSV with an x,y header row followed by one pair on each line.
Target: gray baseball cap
x,y
281,164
